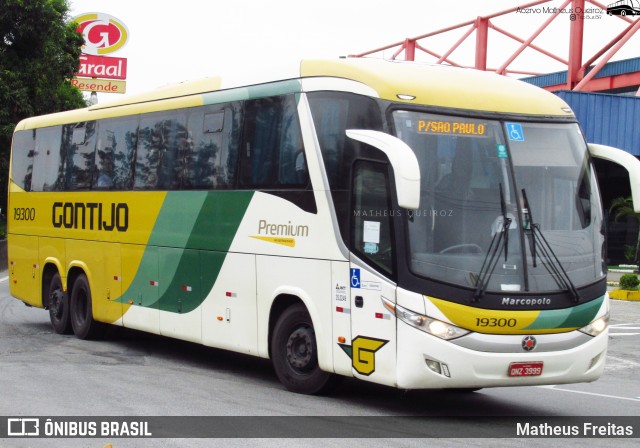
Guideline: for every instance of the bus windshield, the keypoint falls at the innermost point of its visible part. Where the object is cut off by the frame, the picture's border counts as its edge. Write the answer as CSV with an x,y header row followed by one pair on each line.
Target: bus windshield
x,y
492,194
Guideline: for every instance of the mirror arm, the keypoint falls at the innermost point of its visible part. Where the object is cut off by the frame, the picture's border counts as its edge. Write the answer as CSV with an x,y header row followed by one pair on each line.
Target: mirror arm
x,y
403,160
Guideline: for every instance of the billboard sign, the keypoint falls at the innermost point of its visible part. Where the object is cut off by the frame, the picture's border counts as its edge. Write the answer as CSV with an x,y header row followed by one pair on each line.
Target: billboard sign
x,y
102,67
103,33
100,85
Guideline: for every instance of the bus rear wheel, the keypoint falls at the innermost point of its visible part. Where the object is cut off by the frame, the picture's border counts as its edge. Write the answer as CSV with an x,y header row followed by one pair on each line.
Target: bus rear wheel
x,y
81,312
58,306
294,353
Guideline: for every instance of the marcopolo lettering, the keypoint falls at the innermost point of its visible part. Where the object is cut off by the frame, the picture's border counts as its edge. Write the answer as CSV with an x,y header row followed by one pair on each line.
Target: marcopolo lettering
x,y
91,216
528,301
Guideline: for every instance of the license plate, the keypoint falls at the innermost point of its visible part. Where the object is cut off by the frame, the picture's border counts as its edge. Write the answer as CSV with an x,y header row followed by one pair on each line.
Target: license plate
x,y
525,369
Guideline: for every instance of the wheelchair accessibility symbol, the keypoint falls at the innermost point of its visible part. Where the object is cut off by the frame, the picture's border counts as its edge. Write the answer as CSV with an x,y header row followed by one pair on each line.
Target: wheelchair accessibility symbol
x,y
355,278
514,131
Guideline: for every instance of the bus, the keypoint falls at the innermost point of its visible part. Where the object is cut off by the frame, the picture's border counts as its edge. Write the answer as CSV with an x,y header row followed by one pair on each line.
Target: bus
x,y
412,225
624,8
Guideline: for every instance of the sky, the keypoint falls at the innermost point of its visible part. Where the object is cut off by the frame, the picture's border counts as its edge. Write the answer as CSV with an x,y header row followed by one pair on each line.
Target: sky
x,y
172,42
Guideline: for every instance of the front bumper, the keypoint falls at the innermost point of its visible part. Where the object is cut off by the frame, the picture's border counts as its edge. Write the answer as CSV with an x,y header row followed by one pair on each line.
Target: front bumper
x,y
472,368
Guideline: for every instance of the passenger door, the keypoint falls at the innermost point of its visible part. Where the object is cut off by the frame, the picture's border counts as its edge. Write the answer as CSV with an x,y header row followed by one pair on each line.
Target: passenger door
x,y
373,327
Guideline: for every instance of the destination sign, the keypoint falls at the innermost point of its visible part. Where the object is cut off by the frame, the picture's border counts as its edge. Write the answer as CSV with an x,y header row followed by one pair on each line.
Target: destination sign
x,y
451,127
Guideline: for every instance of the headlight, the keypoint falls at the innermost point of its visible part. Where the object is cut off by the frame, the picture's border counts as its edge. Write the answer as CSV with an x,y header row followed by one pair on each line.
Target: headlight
x,y
597,326
429,325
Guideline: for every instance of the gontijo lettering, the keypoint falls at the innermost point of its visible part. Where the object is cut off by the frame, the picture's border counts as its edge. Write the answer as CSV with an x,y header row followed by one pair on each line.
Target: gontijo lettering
x,y
91,216
451,127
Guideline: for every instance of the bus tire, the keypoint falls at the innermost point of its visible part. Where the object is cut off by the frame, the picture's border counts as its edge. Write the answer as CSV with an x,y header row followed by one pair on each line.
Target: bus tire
x,y
81,314
294,353
58,306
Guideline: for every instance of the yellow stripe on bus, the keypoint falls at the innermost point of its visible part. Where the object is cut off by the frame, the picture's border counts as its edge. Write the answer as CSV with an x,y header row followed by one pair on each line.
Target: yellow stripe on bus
x,y
489,321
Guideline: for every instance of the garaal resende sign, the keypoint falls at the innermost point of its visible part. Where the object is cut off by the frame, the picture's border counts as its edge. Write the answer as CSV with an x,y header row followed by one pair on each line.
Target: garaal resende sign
x,y
102,67
100,85
102,33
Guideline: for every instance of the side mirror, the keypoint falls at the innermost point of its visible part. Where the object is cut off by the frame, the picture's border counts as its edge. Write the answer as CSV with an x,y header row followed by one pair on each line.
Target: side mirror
x,y
627,161
403,161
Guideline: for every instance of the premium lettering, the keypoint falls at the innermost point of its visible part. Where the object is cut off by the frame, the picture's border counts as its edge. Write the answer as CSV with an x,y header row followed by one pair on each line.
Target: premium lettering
x,y
91,216
265,228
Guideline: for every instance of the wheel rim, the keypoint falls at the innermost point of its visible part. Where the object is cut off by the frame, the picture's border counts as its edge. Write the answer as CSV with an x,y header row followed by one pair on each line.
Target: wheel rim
x,y
300,349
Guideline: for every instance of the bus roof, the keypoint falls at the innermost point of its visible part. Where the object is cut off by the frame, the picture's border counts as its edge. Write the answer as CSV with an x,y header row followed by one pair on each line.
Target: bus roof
x,y
442,86
433,85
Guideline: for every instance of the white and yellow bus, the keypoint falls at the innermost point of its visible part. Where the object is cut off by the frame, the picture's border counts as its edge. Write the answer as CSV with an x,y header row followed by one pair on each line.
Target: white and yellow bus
x,y
414,226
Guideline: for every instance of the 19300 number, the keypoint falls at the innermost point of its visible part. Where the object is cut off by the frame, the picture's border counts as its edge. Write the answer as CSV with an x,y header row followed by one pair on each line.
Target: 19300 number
x,y
493,322
24,214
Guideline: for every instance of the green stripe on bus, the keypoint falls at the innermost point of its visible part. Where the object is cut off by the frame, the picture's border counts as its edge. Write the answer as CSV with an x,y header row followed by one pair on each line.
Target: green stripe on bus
x,y
205,224
214,229
575,317
253,92
177,218
583,314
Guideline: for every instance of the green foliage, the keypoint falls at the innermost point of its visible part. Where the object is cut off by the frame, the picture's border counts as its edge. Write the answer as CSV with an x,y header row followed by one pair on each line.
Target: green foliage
x,y
629,253
622,207
39,54
629,282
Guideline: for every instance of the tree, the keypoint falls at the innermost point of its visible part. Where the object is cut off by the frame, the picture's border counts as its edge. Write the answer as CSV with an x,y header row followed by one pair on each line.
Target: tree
x,y
624,207
39,54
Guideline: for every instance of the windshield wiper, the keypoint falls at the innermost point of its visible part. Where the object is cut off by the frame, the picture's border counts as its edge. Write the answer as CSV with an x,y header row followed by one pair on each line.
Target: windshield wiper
x,y
538,241
491,259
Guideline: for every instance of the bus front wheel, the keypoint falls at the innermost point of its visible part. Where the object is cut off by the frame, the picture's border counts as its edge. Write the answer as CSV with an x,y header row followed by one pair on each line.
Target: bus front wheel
x,y
58,306
294,353
81,314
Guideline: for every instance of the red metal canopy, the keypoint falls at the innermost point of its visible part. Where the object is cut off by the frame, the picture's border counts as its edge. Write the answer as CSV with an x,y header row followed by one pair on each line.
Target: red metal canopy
x,y
581,76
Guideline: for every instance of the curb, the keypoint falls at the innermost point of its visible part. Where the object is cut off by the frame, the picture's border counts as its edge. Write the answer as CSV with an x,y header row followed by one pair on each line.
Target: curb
x,y
622,294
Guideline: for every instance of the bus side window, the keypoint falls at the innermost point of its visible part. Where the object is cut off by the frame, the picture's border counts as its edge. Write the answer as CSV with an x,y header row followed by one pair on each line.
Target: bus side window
x,y
261,124
159,139
115,152
177,153
272,153
79,141
371,230
48,165
24,148
212,147
292,163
